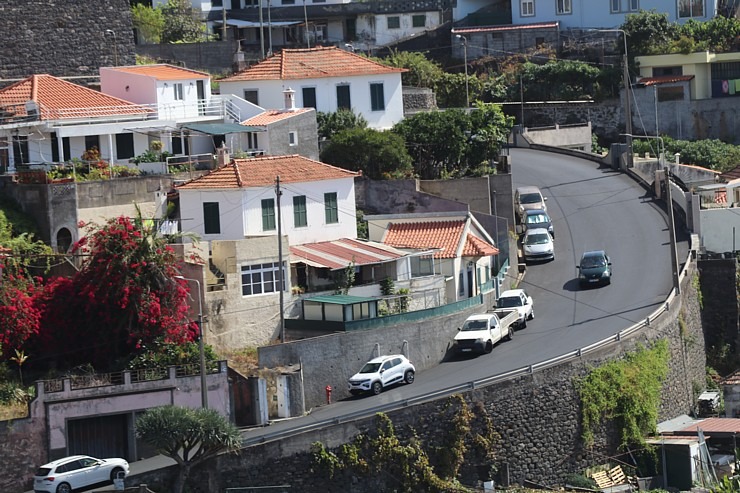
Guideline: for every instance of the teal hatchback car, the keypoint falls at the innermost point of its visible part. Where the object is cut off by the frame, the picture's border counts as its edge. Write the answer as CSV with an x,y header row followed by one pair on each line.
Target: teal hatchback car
x,y
595,267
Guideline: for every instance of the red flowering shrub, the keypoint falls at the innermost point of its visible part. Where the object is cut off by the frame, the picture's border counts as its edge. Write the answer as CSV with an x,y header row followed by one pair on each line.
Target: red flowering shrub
x,y
125,295
20,316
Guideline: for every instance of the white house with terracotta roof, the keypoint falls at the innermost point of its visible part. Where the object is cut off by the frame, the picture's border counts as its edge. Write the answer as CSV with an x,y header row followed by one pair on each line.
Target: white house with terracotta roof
x,y
457,245
327,79
238,201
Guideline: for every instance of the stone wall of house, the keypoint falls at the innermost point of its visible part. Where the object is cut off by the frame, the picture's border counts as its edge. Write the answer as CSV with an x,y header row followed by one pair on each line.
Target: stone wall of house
x,y
64,38
399,197
417,99
214,57
537,417
23,442
304,125
718,280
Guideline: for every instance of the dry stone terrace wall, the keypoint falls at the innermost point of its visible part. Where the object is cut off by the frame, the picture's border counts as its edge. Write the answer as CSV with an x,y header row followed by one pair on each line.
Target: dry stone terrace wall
x,y
537,417
64,37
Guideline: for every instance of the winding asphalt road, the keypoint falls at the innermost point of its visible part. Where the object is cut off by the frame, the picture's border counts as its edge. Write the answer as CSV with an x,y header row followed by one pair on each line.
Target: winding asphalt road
x,y
592,207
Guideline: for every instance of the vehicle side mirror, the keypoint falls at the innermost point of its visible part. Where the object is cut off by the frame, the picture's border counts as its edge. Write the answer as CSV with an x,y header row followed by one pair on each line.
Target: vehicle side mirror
x,y
459,329
545,199
382,370
578,267
608,263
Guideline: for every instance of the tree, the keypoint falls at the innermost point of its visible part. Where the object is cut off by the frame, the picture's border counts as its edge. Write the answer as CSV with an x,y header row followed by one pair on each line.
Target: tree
x,y
331,123
379,155
124,296
454,142
451,93
149,23
188,436
648,32
422,72
182,23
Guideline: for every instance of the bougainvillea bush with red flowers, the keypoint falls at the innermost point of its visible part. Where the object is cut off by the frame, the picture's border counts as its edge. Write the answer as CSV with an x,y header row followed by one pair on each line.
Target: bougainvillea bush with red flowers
x,y
124,296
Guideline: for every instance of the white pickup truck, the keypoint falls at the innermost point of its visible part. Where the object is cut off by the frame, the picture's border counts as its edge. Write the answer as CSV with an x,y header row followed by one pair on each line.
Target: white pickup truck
x,y
521,301
480,332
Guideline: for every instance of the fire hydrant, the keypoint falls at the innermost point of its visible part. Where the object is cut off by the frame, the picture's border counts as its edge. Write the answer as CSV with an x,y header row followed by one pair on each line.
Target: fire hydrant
x,y
328,394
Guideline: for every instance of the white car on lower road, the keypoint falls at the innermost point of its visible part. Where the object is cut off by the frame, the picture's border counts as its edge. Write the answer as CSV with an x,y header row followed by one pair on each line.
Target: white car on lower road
x,y
519,299
75,472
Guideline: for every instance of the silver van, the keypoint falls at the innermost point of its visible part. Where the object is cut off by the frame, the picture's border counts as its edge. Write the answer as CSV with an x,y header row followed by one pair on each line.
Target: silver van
x,y
528,198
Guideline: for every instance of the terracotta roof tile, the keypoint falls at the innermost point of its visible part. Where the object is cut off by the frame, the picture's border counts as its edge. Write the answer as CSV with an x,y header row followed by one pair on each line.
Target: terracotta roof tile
x,y
163,72
442,235
340,253
731,175
59,99
732,379
475,247
312,63
664,79
272,116
261,171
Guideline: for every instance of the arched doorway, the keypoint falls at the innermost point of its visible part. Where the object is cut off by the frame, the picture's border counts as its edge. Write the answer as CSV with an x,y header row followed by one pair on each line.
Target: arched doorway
x,y
64,240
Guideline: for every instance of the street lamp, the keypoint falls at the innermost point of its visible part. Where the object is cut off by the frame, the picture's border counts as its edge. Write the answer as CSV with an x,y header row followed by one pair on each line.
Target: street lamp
x,y
115,45
465,54
203,384
626,77
669,204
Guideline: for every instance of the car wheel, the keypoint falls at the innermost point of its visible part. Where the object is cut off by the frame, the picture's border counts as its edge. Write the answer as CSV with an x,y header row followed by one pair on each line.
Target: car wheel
x,y
409,377
523,325
531,315
510,335
377,388
114,473
489,347
64,488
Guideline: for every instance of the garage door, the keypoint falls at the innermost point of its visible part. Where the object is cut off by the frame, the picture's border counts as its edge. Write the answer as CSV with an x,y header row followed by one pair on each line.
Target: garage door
x,y
101,437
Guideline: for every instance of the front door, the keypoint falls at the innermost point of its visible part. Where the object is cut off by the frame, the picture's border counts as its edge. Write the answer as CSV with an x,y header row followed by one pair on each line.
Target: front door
x,y
201,97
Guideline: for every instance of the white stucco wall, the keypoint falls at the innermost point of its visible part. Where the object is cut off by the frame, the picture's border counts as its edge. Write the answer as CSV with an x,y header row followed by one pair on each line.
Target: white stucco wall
x,y
720,229
270,95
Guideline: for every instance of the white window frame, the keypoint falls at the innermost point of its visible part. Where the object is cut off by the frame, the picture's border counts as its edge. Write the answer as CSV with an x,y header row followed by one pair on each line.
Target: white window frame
x,y
526,8
691,4
261,269
177,88
563,7
624,6
292,138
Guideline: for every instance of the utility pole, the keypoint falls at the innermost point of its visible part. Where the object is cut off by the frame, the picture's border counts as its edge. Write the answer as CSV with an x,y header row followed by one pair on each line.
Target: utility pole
x,y
278,193
521,96
305,31
262,34
671,225
627,101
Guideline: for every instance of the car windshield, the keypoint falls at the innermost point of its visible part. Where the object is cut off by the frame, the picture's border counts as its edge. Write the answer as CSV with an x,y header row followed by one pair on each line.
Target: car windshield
x,y
471,325
509,302
43,471
537,239
594,261
536,219
530,198
370,368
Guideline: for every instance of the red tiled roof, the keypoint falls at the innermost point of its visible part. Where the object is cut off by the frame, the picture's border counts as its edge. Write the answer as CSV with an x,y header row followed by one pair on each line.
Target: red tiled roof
x,y
340,253
508,27
475,247
732,379
730,175
272,116
312,63
664,79
58,99
163,72
714,426
261,171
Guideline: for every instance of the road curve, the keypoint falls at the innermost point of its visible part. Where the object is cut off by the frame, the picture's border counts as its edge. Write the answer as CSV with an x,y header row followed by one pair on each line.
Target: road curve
x,y
592,207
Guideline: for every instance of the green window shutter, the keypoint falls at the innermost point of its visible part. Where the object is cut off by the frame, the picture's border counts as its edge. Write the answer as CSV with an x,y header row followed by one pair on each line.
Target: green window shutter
x,y
377,97
300,217
343,98
211,218
268,214
330,208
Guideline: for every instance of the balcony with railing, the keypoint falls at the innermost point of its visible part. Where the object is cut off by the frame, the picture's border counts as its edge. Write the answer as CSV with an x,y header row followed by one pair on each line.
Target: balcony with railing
x,y
216,108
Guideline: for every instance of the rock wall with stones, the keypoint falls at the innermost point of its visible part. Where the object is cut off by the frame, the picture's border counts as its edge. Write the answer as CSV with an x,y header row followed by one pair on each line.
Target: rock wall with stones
x,y
537,418
64,37
23,442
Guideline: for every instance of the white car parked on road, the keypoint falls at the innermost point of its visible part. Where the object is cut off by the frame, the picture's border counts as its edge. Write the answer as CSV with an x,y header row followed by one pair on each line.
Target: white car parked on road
x,y
380,373
519,299
75,472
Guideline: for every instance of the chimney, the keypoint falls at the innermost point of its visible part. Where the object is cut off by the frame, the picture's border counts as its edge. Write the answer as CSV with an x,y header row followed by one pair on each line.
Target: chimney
x,y
240,62
223,155
289,99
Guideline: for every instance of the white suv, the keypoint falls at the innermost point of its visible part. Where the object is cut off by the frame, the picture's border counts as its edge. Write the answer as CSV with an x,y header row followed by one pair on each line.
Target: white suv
x,y
382,372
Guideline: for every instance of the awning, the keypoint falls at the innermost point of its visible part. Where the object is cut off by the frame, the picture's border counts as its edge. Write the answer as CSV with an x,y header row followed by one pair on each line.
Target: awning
x,y
220,128
340,299
338,254
240,23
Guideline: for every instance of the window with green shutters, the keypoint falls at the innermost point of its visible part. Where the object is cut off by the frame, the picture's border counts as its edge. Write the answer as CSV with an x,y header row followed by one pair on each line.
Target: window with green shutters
x,y
330,208
268,214
377,97
211,218
343,99
300,217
